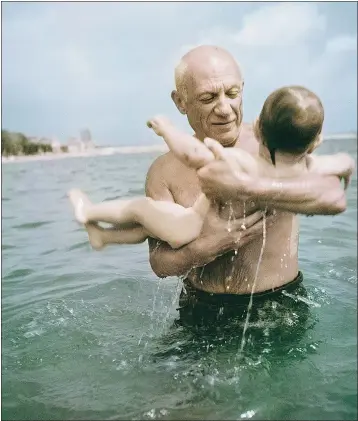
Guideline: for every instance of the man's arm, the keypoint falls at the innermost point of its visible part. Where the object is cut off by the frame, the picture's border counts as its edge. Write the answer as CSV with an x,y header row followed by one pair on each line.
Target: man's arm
x,y
214,240
310,194
163,259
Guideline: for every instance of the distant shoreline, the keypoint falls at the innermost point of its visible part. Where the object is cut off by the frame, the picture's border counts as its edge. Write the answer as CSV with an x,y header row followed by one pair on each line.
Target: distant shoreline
x,y
105,151
91,152
342,136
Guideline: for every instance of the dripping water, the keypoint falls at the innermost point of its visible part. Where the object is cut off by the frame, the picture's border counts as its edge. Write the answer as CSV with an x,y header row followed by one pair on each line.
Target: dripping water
x,y
249,307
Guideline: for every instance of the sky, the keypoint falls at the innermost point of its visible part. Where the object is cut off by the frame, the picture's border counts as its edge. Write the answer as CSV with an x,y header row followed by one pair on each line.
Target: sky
x,y
110,66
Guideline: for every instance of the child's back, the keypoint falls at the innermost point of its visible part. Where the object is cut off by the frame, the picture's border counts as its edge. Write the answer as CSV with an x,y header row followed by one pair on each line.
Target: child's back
x,y
287,129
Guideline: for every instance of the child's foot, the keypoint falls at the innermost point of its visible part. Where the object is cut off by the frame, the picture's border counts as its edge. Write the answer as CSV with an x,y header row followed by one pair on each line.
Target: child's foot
x,y
95,235
79,202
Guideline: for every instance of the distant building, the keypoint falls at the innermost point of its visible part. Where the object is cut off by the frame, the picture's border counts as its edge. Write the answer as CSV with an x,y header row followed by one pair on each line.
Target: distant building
x,y
56,145
86,138
75,145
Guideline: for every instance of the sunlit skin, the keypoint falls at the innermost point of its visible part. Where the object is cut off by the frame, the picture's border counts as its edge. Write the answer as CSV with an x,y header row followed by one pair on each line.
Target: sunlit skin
x,y
210,95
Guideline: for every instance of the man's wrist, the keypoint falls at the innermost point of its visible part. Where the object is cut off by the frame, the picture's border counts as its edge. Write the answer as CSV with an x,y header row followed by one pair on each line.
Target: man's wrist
x,y
205,250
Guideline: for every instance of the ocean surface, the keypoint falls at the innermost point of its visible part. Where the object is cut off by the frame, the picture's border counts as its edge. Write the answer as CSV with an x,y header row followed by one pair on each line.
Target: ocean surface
x,y
91,335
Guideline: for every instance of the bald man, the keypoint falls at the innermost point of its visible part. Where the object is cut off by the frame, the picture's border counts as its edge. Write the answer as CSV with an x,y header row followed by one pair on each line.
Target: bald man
x,y
221,265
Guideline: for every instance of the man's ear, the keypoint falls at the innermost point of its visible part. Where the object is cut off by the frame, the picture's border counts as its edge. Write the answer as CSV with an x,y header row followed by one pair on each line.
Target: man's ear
x,y
179,102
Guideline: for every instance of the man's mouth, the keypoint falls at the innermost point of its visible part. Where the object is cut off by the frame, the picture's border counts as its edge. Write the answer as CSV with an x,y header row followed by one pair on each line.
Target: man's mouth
x,y
225,123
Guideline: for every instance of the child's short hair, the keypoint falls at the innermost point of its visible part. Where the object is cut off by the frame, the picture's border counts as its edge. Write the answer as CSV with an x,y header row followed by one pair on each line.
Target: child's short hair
x,y
290,120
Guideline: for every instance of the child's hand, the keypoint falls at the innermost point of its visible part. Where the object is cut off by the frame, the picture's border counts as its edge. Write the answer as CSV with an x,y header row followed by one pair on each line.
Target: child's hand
x,y
216,148
159,124
346,174
340,165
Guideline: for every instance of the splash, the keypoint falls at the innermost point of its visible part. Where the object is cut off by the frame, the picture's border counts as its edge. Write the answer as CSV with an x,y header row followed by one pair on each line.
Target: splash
x,y
249,307
235,255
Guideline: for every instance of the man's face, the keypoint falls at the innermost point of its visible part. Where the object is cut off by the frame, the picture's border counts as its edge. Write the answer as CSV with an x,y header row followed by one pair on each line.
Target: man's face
x,y
214,102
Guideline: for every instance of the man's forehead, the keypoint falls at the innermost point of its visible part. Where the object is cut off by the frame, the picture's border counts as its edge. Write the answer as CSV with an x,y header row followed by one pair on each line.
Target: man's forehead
x,y
213,74
214,82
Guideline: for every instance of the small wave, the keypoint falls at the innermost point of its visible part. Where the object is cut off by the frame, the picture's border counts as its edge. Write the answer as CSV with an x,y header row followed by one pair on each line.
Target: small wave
x,y
80,245
136,192
45,253
8,247
31,225
113,198
18,273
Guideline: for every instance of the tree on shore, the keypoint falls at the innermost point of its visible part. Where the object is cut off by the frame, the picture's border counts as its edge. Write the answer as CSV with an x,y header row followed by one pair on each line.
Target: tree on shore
x,y
19,144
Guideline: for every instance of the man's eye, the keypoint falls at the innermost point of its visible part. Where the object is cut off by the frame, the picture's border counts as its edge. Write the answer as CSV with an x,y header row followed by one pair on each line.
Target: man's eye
x,y
206,99
233,94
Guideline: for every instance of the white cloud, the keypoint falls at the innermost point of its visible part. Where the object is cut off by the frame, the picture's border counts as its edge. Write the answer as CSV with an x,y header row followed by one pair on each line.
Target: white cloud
x,y
280,24
111,64
343,43
282,44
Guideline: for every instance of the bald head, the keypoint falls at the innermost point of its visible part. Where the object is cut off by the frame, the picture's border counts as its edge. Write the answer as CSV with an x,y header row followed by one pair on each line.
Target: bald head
x,y
202,61
209,92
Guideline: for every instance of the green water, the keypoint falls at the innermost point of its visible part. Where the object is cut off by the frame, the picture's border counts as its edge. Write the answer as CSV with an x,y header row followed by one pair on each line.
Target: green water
x,y
90,335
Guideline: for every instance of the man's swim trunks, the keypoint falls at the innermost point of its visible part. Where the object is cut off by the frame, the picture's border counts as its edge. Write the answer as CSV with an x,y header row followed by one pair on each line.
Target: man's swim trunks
x,y
198,307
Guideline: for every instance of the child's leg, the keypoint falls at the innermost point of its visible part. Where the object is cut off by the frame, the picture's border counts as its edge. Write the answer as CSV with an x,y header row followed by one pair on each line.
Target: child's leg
x,y
100,237
186,148
112,211
171,222
167,221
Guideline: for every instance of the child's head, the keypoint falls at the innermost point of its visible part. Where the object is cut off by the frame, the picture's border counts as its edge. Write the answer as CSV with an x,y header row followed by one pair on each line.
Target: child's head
x,y
290,121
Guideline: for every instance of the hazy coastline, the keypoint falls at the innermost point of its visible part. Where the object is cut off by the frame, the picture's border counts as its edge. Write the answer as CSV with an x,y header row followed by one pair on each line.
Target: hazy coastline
x,y
112,150
91,152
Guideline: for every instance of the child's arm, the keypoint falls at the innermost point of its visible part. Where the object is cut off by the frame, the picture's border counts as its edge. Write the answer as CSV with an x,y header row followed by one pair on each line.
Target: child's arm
x,y
340,164
188,149
238,159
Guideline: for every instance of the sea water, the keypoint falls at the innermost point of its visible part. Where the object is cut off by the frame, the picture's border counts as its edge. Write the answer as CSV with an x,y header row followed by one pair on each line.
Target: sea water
x,y
91,335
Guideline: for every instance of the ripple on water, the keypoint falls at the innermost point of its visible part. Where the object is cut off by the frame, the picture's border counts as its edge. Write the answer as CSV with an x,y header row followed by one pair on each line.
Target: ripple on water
x,y
31,225
18,273
7,246
79,245
95,338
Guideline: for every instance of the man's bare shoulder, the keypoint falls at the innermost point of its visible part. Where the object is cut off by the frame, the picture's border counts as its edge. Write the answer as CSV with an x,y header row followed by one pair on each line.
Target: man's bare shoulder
x,y
247,140
163,164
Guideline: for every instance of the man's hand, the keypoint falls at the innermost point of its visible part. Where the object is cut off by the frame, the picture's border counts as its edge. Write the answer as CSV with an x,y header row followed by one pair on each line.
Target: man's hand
x,y
218,231
219,180
216,238
309,194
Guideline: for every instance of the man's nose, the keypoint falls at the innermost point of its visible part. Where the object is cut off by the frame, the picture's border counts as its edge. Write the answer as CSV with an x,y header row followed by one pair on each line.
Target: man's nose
x,y
223,107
